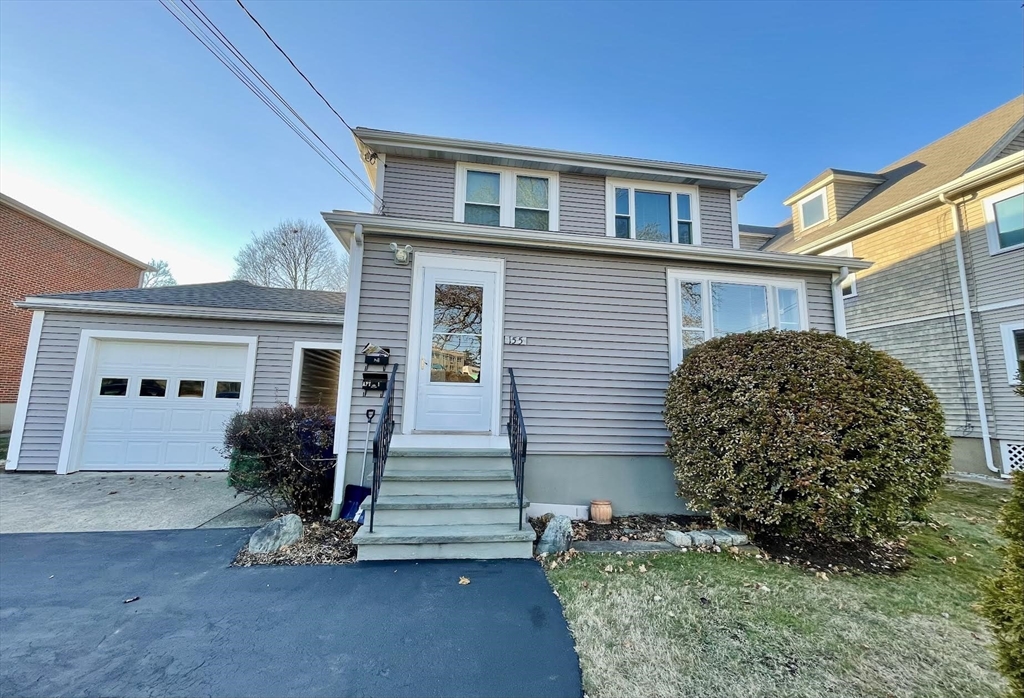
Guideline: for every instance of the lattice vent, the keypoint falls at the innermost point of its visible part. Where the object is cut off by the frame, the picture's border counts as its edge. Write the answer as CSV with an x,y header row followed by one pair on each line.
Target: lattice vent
x,y
1013,455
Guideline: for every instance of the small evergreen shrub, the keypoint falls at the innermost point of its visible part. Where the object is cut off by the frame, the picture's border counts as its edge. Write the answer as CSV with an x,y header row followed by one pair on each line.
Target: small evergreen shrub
x,y
283,454
804,433
1003,604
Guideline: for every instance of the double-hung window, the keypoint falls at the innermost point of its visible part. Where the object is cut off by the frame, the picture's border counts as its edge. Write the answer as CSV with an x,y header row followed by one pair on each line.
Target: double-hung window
x,y
813,209
498,196
849,286
653,212
1013,350
1004,220
704,305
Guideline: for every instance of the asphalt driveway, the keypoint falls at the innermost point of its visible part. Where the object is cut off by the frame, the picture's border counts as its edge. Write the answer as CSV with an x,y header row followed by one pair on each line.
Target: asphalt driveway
x,y
201,628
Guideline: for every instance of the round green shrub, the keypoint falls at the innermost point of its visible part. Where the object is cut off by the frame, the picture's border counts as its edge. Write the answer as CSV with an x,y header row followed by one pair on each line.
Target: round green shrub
x,y
799,433
1003,604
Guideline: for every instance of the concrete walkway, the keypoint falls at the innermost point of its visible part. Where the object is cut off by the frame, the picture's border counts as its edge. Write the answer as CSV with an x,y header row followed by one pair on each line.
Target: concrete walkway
x,y
200,628
89,501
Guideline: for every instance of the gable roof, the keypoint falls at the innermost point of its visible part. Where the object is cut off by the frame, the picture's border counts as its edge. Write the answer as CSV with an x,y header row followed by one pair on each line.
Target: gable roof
x,y
240,299
924,170
68,230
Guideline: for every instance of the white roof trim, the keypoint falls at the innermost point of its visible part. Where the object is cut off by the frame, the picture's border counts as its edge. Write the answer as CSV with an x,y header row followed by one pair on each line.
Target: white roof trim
x,y
68,230
122,308
998,146
343,223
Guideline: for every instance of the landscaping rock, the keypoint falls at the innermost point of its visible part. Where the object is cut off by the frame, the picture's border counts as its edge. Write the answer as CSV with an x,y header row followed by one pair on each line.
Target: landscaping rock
x,y
721,538
738,537
679,539
557,536
276,534
701,539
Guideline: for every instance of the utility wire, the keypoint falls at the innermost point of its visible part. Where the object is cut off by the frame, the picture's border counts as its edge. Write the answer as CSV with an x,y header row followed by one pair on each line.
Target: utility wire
x,y
210,44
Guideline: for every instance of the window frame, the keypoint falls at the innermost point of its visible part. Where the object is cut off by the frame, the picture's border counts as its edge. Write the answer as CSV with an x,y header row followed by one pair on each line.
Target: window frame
x,y
660,188
845,250
824,207
676,276
1006,331
507,194
991,226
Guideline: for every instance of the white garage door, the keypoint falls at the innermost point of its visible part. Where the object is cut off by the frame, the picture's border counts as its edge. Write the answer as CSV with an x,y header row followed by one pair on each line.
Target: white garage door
x,y
160,405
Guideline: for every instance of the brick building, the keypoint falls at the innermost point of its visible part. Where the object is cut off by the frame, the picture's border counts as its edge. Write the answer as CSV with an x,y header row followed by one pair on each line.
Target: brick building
x,y
39,255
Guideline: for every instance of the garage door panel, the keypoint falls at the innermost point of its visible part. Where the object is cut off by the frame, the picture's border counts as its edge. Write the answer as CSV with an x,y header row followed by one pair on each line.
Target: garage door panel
x,y
148,419
101,454
184,453
188,421
112,419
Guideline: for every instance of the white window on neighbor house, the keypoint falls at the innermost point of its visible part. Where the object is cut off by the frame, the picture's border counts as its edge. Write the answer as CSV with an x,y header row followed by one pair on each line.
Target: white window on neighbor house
x,y
1013,350
813,209
702,306
653,212
1004,220
499,196
850,282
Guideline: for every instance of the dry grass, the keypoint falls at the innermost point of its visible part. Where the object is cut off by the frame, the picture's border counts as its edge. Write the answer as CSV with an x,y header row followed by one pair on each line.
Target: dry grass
x,y
717,625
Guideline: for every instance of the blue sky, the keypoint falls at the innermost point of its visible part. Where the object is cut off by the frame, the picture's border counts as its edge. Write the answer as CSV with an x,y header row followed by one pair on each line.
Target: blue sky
x,y
116,121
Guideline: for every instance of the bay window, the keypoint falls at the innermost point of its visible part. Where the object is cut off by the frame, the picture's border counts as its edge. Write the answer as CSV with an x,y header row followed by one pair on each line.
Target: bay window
x,y
652,212
499,196
705,305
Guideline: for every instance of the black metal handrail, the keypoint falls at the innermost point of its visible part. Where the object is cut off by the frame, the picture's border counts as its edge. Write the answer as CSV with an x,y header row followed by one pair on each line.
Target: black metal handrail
x,y
382,440
516,440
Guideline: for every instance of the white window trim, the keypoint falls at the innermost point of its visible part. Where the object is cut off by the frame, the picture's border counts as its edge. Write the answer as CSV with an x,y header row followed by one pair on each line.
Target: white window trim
x,y
850,282
675,327
633,185
297,354
507,195
990,219
824,207
1010,350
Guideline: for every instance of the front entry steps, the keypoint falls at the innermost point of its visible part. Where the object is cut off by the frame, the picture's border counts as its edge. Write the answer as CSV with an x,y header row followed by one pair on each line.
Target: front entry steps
x,y
446,505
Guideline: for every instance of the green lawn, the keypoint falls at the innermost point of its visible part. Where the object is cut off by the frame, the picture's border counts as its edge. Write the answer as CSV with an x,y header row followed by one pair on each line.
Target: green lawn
x,y
697,624
5,440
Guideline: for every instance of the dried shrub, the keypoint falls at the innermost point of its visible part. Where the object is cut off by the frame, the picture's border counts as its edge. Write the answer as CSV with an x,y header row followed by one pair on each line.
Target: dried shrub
x,y
1003,604
284,454
804,433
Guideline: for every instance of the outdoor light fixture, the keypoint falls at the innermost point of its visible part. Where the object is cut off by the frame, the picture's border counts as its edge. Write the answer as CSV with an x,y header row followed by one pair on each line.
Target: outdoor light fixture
x,y
402,254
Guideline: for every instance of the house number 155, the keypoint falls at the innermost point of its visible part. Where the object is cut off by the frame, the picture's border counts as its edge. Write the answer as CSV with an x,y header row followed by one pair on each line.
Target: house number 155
x,y
515,341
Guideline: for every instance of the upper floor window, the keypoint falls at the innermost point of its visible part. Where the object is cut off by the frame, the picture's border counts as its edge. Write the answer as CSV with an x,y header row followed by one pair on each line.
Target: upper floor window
x,y
1004,220
654,212
813,209
849,285
498,196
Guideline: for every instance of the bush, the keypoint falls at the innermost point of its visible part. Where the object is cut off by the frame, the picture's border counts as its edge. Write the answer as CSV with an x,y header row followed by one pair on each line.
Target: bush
x,y
1004,596
798,433
284,454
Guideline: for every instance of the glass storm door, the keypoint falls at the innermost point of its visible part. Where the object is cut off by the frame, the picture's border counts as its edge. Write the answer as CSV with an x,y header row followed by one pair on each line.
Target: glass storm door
x,y
457,375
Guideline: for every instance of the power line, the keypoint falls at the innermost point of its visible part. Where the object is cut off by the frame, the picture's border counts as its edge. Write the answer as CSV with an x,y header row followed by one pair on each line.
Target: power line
x,y
210,43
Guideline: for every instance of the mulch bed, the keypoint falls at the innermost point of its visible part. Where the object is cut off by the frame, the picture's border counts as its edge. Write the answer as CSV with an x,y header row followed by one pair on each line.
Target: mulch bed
x,y
888,558
643,527
322,543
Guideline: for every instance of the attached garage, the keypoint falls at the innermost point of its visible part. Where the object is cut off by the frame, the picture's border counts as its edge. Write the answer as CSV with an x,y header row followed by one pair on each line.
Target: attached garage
x,y
145,379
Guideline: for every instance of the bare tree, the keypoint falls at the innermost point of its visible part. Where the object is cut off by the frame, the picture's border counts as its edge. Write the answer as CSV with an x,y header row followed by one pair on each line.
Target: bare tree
x,y
293,254
160,276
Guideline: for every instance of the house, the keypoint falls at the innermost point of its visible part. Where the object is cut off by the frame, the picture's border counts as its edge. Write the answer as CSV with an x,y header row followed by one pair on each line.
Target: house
x,y
144,378
588,277
944,227
41,255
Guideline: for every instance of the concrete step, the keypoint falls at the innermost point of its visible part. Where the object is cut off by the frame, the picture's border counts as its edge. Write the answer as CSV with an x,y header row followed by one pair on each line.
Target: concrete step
x,y
461,481
453,459
479,541
435,510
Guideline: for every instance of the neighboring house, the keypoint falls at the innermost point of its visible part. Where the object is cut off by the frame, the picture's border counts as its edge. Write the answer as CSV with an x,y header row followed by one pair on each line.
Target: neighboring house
x,y
588,275
944,227
144,379
41,255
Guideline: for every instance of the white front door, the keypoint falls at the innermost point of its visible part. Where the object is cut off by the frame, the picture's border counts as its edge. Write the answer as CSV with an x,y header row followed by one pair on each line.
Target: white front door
x,y
457,370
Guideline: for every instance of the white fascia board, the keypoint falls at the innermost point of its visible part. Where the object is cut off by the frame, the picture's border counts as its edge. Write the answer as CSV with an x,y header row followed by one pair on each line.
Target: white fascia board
x,y
108,307
342,222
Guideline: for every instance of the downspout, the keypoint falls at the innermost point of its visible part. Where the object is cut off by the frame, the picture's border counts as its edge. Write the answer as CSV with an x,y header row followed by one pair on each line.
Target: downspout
x,y
979,392
348,367
838,303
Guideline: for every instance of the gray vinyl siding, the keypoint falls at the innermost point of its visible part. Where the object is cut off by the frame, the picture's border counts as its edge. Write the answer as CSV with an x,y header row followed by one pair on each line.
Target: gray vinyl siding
x,y
1007,409
419,189
58,349
715,218
1014,146
847,195
593,374
751,242
581,205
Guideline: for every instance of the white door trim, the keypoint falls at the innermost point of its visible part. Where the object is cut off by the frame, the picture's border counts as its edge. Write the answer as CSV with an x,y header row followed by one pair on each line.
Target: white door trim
x,y
28,372
422,260
293,384
84,365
